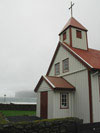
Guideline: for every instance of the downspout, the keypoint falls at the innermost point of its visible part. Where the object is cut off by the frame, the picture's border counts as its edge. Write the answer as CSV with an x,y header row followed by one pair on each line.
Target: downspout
x,y
90,97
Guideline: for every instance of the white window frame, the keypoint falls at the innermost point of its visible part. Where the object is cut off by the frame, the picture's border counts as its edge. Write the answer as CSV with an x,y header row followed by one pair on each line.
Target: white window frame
x,y
65,65
57,68
64,100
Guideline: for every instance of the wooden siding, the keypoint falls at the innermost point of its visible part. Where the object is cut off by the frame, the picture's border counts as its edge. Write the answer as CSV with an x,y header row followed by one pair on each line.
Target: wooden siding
x,y
81,97
44,87
54,110
74,64
50,104
77,42
62,113
95,98
38,105
67,40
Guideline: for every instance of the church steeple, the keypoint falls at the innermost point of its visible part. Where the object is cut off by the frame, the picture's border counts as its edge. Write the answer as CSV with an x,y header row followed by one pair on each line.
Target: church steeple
x,y
73,23
74,34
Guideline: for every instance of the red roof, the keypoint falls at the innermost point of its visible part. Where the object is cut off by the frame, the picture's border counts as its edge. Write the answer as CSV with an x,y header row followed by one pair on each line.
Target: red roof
x,y
90,56
74,23
59,82
56,83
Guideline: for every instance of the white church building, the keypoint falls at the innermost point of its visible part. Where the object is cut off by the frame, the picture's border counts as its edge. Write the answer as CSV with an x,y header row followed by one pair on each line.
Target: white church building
x,y
71,87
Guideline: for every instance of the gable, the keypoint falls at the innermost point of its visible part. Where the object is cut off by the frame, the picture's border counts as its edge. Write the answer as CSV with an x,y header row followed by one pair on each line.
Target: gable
x,y
61,54
47,83
44,86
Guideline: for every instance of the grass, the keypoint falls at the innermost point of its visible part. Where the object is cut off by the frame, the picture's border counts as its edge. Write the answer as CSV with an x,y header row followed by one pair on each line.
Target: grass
x,y
2,119
17,113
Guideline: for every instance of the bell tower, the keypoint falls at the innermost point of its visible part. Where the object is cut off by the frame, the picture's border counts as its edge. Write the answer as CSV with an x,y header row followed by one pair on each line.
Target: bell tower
x,y
74,34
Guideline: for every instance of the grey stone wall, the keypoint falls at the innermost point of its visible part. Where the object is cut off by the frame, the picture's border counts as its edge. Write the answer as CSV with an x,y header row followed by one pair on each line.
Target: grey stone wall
x,y
67,125
18,107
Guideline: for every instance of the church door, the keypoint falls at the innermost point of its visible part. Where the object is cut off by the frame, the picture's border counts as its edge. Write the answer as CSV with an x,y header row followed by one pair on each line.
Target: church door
x,y
44,105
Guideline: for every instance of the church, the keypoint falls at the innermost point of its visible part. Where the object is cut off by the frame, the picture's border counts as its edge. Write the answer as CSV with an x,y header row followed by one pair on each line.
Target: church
x,y
71,86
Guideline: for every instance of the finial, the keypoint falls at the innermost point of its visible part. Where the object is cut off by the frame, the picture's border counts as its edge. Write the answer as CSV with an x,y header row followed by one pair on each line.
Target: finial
x,y
71,8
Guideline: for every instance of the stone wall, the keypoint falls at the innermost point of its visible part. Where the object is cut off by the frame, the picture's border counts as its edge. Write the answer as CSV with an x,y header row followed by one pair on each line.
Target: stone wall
x,y
89,128
18,107
66,125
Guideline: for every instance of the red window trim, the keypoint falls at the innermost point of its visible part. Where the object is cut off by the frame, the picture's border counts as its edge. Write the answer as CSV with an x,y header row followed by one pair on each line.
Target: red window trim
x,y
79,34
61,99
63,65
64,36
59,68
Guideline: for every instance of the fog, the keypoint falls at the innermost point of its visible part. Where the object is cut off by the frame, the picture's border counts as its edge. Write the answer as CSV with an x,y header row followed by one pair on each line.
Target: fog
x,y
29,35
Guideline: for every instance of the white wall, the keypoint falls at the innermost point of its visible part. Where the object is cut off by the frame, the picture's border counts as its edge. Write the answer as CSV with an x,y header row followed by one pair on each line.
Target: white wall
x,y
45,87
74,64
67,37
77,42
50,104
81,97
77,76
62,113
38,105
95,98
54,110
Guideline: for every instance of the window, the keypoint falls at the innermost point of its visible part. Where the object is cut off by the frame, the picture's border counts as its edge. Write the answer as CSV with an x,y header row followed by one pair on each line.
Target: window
x,y
57,69
78,34
64,36
65,65
64,100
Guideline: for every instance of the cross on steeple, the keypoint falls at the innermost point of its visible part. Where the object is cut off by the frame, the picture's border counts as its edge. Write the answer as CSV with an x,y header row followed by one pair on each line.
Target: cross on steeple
x,y
72,4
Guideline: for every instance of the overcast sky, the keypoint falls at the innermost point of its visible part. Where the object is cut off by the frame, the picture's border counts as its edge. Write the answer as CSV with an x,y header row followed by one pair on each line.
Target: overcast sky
x,y
29,35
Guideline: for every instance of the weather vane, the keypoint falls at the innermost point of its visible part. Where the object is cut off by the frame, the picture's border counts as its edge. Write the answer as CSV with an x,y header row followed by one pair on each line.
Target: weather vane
x,y
71,8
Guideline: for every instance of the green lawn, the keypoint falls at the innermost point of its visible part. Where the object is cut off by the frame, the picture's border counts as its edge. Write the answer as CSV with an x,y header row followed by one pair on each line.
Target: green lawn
x,y
17,113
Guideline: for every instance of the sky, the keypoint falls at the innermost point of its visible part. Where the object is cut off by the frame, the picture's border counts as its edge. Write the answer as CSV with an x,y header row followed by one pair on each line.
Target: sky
x,y
29,36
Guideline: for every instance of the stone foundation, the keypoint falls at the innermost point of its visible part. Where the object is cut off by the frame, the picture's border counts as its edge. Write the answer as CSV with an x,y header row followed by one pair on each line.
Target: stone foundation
x,y
67,125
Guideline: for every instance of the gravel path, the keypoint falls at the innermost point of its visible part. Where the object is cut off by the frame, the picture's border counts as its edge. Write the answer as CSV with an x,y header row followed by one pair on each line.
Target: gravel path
x,y
22,118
